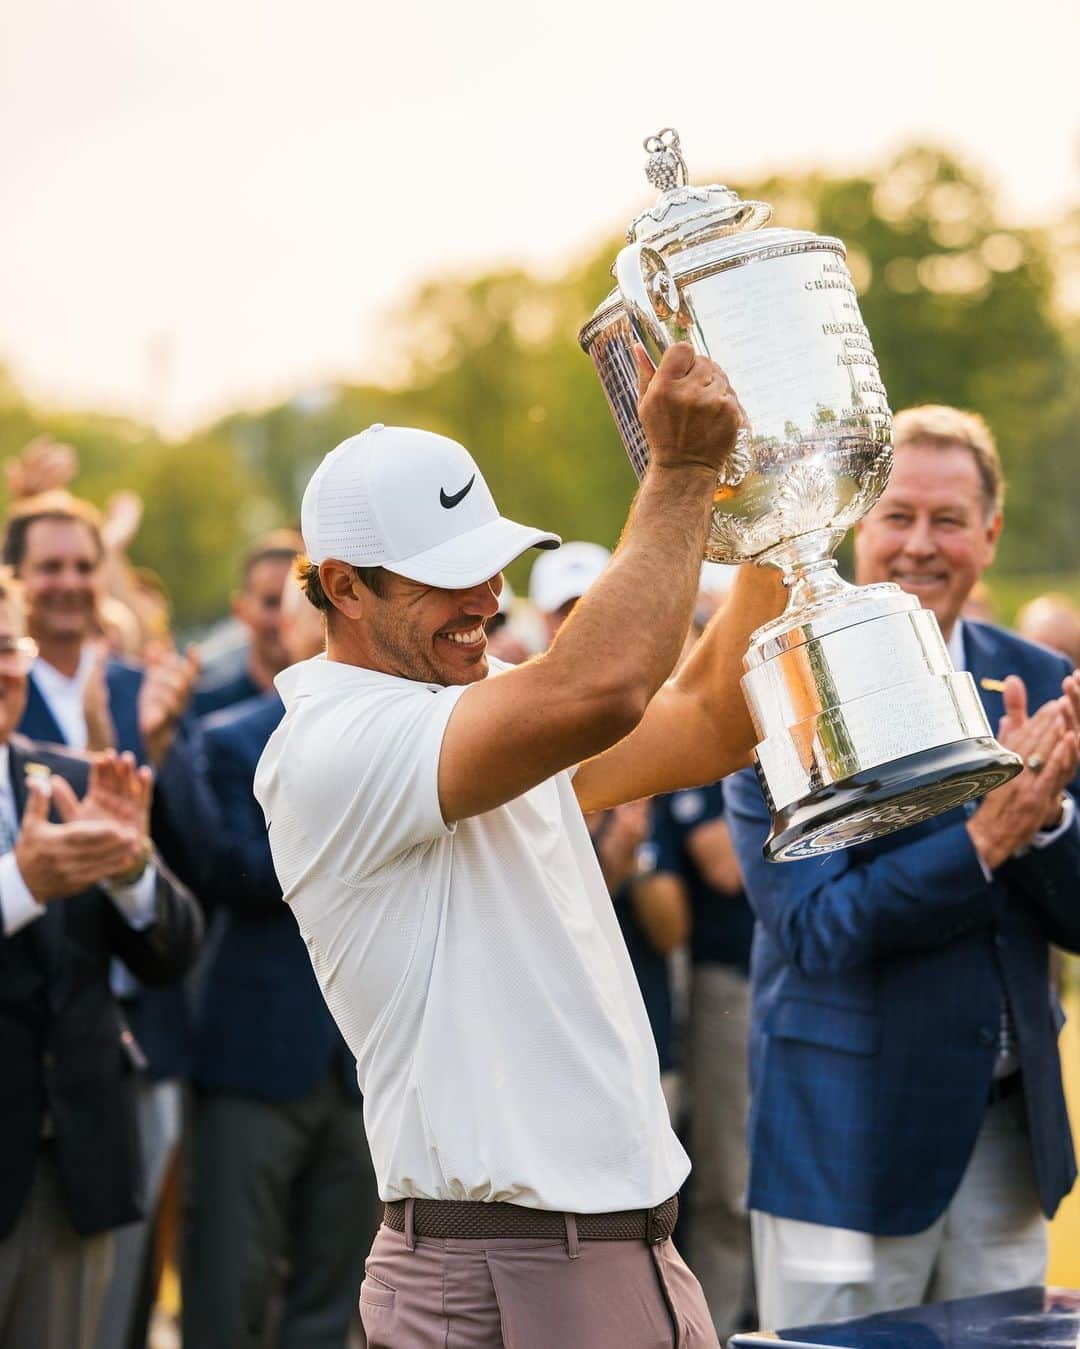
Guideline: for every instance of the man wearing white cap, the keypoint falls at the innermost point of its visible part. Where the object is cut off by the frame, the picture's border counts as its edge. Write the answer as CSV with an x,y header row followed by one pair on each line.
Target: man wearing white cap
x,y
559,579
426,825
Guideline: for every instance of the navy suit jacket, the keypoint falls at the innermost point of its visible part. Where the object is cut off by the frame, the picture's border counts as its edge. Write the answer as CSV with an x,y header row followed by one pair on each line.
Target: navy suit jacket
x,y
877,990
159,1016
64,1048
225,693
262,1027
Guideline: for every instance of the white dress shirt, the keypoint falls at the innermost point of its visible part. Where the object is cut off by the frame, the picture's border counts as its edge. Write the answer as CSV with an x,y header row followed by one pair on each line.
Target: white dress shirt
x,y
64,696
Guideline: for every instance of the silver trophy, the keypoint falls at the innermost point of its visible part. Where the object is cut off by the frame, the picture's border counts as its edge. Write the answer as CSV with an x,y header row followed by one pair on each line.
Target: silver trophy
x,y
863,725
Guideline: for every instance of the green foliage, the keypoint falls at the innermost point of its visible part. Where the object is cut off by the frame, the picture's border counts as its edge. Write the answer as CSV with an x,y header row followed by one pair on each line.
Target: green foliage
x,y
1009,594
200,511
960,307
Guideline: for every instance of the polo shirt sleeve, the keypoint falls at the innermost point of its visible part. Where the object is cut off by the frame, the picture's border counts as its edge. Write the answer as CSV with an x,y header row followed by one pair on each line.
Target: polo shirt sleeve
x,y
364,787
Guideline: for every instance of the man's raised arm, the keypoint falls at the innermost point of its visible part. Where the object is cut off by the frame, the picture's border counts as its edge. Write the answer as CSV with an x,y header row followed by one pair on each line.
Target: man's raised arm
x,y
697,729
593,686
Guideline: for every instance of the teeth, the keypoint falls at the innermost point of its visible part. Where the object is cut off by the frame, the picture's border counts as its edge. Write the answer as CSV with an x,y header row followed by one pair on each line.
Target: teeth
x,y
466,638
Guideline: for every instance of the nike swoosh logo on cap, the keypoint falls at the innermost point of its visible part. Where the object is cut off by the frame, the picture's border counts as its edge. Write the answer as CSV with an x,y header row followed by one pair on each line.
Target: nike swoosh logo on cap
x,y
451,501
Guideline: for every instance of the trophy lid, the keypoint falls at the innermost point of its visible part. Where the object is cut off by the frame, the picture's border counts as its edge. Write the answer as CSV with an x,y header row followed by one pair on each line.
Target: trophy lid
x,y
685,214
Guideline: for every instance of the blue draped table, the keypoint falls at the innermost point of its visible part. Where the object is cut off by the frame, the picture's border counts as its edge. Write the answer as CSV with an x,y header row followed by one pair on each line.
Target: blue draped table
x,y
1027,1318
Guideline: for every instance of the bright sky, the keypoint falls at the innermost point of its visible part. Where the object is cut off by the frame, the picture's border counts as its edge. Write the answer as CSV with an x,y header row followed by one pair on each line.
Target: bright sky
x,y
211,202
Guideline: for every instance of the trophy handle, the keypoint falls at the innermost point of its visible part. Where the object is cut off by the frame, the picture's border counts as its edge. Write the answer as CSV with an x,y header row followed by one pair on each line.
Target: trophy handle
x,y
660,315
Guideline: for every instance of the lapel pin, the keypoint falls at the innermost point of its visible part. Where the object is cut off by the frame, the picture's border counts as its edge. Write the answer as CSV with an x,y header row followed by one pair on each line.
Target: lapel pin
x,y
992,685
40,774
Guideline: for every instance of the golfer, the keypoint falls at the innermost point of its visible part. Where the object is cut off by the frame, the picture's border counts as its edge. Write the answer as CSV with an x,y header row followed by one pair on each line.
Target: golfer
x,y
424,808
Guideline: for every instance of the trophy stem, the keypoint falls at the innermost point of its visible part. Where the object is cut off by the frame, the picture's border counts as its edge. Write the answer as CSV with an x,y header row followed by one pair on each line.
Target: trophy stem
x,y
808,570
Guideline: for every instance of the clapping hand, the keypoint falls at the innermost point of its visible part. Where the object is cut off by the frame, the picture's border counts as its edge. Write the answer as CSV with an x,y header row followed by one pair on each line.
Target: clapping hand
x,y
118,792
163,698
105,836
1047,741
44,465
123,516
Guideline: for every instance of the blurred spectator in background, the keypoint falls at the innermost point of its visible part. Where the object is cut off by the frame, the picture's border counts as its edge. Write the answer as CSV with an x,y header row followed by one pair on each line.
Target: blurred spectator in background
x,y
257,606
504,643
908,1127
1054,621
78,699
279,1166
76,888
133,609
559,579
653,924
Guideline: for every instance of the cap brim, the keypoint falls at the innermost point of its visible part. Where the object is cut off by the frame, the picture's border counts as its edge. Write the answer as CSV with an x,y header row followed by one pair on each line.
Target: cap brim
x,y
470,558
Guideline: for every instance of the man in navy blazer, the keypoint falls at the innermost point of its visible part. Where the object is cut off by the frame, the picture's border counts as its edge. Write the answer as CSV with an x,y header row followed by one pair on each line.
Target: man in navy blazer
x,y
279,1158
908,1130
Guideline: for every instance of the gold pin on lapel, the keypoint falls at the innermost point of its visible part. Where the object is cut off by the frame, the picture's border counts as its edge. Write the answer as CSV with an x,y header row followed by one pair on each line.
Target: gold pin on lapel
x,y
992,685
41,774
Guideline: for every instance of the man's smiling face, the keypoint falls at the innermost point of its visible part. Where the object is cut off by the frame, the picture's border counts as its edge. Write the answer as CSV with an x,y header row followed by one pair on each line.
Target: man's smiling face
x,y
929,531
431,635
61,572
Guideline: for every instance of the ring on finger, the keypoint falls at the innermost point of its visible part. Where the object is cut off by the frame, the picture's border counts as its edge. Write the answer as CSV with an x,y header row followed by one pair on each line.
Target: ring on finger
x,y
1035,762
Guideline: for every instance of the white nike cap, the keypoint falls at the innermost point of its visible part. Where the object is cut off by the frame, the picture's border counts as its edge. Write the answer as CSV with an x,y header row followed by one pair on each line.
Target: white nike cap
x,y
565,575
414,503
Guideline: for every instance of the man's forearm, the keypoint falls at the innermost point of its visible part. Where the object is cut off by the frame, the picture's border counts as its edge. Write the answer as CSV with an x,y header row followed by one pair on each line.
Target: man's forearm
x,y
712,672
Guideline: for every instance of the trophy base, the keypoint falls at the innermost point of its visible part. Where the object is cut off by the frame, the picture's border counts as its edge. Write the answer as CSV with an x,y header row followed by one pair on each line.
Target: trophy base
x,y
894,795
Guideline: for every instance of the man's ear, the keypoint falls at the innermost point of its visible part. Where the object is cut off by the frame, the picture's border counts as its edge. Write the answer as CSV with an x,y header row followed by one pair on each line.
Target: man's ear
x,y
345,591
993,533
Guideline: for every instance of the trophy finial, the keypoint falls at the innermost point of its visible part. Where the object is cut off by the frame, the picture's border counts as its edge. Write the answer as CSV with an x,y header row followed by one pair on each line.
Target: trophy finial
x,y
665,168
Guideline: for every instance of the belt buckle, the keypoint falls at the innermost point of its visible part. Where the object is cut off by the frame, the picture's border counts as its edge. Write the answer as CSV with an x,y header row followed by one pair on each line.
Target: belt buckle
x,y
651,1236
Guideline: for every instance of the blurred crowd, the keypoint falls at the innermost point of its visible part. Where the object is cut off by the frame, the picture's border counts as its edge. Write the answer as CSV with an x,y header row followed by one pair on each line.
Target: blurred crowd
x,y
180,1098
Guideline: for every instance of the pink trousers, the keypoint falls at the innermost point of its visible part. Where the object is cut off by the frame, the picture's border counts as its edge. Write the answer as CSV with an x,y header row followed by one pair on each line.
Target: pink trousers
x,y
531,1293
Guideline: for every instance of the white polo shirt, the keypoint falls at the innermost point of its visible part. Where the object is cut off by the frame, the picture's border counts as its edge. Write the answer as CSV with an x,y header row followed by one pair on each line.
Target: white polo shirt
x,y
477,971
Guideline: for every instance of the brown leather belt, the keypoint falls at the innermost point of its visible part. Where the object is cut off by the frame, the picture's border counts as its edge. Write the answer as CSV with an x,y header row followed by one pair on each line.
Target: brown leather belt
x,y
462,1220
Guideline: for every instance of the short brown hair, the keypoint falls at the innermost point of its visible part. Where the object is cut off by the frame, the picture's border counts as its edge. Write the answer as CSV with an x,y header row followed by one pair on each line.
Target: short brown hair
x,y
280,546
307,574
56,505
943,427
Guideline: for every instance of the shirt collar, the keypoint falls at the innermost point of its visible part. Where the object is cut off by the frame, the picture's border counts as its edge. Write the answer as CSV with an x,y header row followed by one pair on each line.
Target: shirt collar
x,y
955,646
51,675
320,674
